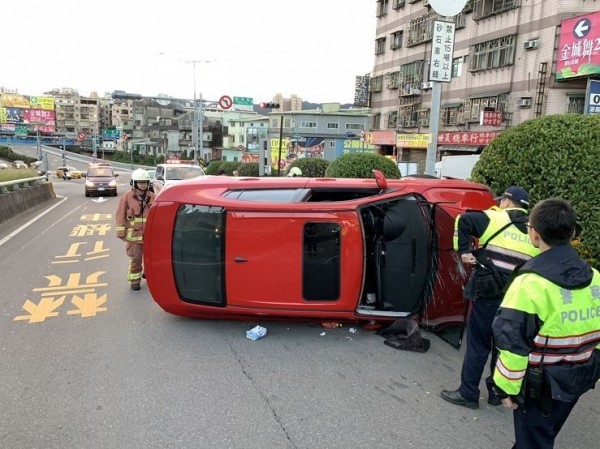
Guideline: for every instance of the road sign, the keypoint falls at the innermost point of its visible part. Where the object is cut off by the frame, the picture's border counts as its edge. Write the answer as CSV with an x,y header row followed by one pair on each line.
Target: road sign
x,y
593,97
225,102
246,101
241,148
81,136
448,8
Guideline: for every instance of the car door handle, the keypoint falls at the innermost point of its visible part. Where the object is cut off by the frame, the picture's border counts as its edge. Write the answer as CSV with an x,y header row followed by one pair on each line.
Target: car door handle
x,y
240,259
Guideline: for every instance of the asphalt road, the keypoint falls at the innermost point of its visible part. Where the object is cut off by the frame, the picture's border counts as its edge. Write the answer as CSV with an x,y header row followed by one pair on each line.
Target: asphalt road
x,y
88,363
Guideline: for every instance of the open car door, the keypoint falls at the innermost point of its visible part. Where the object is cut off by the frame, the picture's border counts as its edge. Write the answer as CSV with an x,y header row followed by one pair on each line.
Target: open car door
x,y
445,311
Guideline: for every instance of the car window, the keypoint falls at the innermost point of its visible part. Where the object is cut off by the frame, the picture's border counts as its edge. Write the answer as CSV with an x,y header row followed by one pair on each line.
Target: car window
x,y
100,172
179,173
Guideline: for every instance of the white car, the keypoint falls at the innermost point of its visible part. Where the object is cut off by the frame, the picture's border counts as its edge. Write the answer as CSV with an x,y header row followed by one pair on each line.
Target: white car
x,y
3,165
172,172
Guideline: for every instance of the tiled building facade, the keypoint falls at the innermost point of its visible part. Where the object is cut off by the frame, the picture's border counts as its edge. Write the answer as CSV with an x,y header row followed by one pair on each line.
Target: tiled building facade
x,y
504,61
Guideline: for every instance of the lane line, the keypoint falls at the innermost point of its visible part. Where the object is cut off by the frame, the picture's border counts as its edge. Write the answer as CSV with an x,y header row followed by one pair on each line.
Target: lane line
x,y
30,222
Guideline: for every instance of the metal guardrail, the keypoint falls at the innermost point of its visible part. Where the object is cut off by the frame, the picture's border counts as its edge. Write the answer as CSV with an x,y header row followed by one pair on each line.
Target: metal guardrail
x,y
18,184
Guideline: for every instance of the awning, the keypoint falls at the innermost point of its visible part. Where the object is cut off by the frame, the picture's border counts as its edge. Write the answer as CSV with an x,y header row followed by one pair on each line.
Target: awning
x,y
458,148
489,94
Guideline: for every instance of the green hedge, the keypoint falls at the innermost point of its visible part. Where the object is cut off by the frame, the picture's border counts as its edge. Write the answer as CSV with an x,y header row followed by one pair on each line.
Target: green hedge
x,y
310,167
361,165
551,156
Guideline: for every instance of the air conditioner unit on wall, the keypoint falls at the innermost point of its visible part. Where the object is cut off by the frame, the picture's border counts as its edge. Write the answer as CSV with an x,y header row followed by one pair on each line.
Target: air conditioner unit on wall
x,y
524,102
530,44
427,85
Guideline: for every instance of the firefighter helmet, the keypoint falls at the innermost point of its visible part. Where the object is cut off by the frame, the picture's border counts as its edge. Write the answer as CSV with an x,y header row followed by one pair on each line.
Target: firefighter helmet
x,y
140,175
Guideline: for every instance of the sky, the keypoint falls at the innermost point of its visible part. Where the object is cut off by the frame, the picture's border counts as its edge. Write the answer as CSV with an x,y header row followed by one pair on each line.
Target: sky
x,y
310,48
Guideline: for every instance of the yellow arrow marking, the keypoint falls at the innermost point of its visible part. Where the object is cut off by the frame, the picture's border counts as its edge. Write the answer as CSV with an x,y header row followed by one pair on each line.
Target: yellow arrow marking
x,y
39,312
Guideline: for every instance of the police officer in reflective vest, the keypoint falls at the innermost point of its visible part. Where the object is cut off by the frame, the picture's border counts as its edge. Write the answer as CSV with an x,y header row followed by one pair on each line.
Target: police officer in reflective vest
x,y
130,219
548,330
503,244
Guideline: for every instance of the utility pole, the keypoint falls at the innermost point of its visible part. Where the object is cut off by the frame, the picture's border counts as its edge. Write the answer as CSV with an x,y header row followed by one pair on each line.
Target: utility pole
x,y
266,105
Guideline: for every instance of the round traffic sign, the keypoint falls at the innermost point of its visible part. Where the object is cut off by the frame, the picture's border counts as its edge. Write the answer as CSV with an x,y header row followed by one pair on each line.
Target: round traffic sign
x,y
241,148
225,102
81,136
448,8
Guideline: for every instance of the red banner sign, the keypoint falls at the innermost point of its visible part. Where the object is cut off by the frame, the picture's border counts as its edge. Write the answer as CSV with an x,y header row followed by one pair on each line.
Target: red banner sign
x,y
467,138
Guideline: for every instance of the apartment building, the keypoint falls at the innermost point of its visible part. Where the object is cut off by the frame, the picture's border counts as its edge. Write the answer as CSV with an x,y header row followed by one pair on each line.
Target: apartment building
x,y
293,103
504,63
75,113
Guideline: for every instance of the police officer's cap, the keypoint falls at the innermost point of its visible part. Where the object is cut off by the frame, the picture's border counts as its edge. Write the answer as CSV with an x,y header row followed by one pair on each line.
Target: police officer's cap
x,y
517,194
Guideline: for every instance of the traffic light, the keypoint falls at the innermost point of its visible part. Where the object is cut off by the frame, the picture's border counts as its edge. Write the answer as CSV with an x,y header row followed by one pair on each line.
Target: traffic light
x,y
269,105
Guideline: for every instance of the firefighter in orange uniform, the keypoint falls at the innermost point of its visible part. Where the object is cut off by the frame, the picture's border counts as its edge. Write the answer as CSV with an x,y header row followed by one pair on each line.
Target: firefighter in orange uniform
x,y
130,220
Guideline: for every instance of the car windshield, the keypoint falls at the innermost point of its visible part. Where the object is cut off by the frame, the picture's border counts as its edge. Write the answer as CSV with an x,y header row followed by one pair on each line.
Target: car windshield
x,y
179,173
100,172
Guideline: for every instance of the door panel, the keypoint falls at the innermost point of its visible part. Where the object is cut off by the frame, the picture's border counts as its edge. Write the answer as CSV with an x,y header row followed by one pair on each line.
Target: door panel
x,y
269,264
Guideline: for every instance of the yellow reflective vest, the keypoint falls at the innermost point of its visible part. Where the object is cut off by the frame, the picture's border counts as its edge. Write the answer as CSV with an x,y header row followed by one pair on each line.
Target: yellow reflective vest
x,y
552,326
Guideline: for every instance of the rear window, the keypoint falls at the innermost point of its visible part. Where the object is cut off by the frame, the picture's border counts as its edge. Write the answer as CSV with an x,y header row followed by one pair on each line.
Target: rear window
x,y
100,172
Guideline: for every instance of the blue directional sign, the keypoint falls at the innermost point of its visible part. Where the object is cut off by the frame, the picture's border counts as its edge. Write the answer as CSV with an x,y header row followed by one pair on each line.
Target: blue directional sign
x,y
592,100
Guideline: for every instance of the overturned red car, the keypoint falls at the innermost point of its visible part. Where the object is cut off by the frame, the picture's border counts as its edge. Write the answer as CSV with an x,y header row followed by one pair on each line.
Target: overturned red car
x,y
359,250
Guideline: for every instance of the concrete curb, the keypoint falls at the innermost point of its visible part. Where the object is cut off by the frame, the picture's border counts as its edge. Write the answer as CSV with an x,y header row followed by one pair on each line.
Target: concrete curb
x,y
19,201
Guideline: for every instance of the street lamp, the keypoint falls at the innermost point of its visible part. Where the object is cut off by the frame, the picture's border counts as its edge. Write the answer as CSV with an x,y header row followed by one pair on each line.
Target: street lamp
x,y
195,131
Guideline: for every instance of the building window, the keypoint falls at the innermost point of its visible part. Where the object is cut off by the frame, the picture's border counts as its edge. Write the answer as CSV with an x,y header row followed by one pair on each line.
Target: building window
x,y
380,46
376,83
408,116
457,64
487,8
392,80
382,7
308,124
398,4
392,119
575,104
420,29
410,78
331,144
332,125
353,126
376,121
396,40
473,106
493,54
453,115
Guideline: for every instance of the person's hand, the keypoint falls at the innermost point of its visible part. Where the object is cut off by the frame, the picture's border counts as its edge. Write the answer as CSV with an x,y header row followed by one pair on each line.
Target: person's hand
x,y
509,403
468,259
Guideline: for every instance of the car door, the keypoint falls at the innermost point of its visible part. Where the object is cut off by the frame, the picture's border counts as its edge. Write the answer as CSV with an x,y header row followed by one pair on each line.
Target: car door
x,y
293,260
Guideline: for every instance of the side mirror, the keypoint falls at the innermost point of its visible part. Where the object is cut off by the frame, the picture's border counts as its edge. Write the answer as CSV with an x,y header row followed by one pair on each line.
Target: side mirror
x,y
116,175
160,178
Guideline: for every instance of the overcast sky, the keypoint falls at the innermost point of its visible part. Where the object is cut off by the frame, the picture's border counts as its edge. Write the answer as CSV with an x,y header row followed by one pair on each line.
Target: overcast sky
x,y
311,48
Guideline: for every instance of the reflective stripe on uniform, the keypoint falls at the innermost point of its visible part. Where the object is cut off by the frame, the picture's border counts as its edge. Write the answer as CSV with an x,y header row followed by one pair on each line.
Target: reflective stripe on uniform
x,y
509,374
551,359
567,342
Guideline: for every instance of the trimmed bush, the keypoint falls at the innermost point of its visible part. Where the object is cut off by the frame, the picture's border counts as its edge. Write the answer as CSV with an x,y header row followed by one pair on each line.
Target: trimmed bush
x,y
311,167
551,156
361,165
213,167
230,166
249,169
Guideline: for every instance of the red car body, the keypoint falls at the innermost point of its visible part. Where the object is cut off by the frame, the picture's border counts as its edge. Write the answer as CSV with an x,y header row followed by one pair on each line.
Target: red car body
x,y
358,250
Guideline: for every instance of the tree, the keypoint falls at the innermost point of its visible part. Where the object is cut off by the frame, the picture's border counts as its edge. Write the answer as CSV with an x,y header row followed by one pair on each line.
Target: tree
x,y
551,156
361,165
